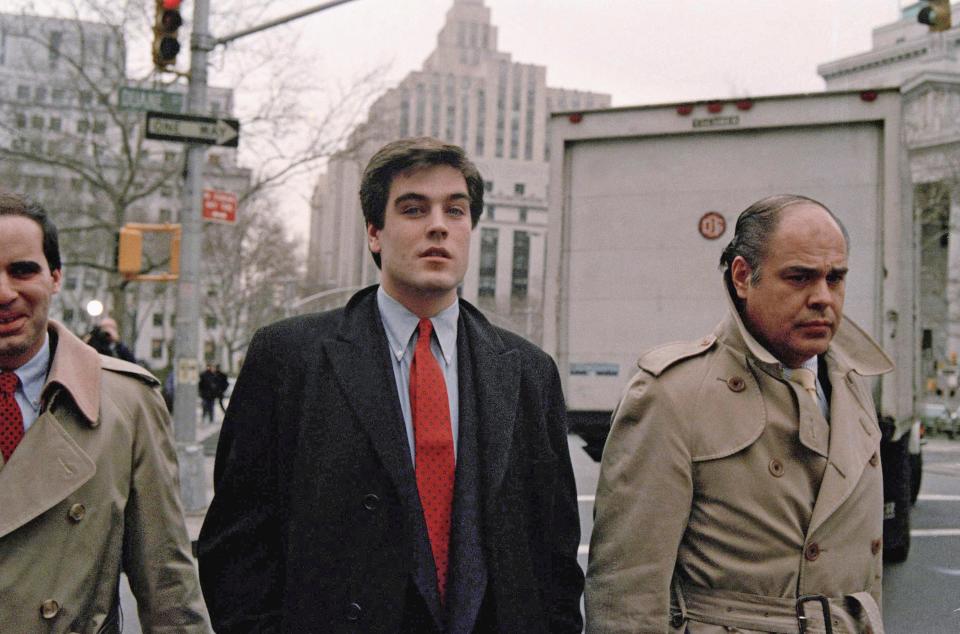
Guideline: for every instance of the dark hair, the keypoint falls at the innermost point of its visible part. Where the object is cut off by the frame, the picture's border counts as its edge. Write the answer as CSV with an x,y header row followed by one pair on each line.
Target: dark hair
x,y
15,205
755,226
408,155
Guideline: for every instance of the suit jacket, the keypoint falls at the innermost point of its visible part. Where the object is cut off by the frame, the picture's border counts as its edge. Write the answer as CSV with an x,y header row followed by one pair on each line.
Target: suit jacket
x,y
723,480
92,491
316,524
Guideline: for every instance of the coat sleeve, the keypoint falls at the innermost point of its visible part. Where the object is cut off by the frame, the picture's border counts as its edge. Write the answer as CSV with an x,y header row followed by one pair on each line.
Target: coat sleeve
x,y
156,547
566,576
241,552
643,501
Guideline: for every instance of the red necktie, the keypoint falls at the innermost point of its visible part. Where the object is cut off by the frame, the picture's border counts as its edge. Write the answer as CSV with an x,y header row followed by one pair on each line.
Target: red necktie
x,y
433,441
11,420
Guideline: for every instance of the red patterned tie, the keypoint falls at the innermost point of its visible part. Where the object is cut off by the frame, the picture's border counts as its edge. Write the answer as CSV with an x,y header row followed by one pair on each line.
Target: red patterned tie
x,y
11,420
433,440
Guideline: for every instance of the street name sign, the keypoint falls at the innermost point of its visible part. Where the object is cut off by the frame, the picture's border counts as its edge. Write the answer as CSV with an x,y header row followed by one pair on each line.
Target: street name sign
x,y
193,129
144,99
219,206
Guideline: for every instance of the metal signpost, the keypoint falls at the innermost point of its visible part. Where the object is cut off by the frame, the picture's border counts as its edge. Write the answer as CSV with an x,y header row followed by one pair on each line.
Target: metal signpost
x,y
199,131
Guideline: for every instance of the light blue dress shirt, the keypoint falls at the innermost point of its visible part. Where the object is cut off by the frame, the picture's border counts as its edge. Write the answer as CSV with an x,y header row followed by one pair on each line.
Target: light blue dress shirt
x,y
402,334
33,374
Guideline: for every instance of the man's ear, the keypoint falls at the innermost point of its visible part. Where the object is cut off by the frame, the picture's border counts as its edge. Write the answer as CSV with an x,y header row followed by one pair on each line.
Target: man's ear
x,y
373,238
57,277
740,272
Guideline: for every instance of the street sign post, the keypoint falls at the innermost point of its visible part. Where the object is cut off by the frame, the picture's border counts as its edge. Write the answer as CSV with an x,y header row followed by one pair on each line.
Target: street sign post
x,y
144,99
219,206
193,129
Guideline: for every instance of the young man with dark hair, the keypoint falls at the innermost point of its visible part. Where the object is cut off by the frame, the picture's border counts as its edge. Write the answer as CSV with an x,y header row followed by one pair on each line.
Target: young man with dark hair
x,y
400,464
88,474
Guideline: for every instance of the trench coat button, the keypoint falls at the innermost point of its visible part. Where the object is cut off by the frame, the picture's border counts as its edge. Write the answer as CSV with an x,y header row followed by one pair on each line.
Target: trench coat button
x,y
49,609
76,512
812,551
676,620
776,468
371,501
876,545
874,459
736,383
353,611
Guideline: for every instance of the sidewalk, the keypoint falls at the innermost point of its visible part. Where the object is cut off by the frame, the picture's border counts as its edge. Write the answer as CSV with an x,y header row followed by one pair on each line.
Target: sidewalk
x,y
207,436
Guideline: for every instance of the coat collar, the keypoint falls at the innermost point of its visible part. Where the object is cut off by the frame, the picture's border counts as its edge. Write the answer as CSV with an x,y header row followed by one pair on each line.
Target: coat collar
x,y
76,369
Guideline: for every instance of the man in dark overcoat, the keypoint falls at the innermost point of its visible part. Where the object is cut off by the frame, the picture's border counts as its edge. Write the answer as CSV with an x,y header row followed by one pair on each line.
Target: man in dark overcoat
x,y
399,464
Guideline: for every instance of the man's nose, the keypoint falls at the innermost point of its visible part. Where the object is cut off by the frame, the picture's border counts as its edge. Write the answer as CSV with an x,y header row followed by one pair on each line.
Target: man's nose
x,y
7,292
820,293
437,220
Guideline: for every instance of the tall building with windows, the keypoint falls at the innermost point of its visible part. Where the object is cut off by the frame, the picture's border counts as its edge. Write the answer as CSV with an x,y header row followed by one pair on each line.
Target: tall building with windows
x,y
67,141
472,94
925,65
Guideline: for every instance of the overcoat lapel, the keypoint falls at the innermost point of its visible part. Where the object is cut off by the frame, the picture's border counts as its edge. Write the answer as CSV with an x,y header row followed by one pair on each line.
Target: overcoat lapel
x,y
852,442
360,360
496,381
47,466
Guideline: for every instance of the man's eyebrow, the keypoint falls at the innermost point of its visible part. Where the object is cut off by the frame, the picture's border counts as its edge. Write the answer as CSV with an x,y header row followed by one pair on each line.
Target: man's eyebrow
x,y
799,268
414,196
21,267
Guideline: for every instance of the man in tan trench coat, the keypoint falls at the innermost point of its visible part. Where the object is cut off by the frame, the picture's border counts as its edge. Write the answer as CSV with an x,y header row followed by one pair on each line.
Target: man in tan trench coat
x,y
729,489
88,475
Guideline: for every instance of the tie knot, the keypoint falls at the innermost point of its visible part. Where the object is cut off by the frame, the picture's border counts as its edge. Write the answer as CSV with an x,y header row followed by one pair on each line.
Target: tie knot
x,y
805,378
8,382
426,328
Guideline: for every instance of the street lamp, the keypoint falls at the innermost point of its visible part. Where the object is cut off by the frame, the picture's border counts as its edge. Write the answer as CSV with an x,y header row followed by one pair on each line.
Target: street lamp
x,y
94,308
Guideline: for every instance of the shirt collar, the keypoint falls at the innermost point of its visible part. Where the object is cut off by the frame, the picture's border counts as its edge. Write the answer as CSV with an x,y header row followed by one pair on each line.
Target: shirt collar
x,y
399,324
33,373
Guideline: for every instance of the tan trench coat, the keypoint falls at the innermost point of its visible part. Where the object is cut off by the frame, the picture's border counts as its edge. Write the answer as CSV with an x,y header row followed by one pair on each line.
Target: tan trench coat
x,y
723,488
90,491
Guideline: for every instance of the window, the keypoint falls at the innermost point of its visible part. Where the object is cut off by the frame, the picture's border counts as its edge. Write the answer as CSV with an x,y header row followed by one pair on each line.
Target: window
x,y
488,186
55,124
40,94
158,319
70,283
23,92
165,215
490,211
20,120
481,120
76,184
99,127
169,157
419,109
488,263
58,95
209,350
36,122
522,215
519,189
85,97
156,348
83,126
210,321
521,264
67,315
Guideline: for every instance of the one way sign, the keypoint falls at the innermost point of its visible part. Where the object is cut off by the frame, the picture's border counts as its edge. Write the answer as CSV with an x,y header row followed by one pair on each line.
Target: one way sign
x,y
191,129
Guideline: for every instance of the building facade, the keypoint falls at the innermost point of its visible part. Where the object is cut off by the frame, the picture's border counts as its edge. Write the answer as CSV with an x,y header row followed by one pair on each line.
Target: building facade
x,y
470,93
925,65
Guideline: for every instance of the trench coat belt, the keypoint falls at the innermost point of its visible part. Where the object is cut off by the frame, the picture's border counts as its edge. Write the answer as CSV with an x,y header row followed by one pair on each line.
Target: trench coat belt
x,y
852,614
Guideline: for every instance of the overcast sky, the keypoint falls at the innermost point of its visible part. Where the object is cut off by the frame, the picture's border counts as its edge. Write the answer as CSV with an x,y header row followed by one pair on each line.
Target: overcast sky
x,y
639,51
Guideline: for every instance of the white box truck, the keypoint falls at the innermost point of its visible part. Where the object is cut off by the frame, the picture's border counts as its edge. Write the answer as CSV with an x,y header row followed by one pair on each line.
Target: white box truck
x,y
643,200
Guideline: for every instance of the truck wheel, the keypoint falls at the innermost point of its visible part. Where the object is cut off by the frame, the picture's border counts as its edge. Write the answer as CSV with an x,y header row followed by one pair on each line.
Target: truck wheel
x,y
895,458
916,473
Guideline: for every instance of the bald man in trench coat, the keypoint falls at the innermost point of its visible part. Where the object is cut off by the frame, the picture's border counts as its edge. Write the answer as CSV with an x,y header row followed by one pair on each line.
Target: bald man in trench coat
x,y
726,492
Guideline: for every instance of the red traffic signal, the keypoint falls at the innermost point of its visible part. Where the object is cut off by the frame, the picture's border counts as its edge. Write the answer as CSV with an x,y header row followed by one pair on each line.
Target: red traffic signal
x,y
165,43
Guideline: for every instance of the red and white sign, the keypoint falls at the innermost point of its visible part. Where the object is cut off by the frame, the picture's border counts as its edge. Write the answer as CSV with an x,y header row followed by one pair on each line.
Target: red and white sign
x,y
219,206
712,225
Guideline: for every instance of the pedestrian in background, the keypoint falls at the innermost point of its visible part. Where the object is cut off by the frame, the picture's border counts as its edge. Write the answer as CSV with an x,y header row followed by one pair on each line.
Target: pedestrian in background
x,y
208,387
88,472
222,384
105,339
400,464
740,486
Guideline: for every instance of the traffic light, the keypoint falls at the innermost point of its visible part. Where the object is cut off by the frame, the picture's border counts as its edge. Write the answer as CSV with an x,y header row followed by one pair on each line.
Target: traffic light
x,y
165,43
936,14
130,251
